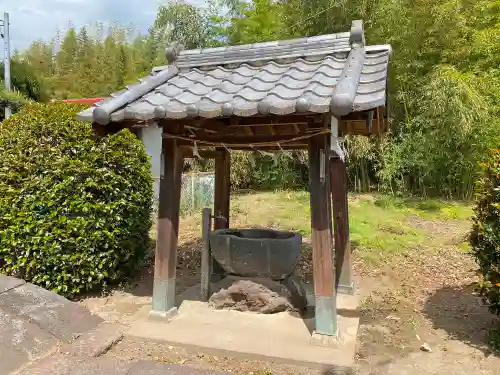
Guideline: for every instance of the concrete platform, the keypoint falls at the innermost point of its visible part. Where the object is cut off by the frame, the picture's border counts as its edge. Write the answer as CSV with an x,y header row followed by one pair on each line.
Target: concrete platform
x,y
284,337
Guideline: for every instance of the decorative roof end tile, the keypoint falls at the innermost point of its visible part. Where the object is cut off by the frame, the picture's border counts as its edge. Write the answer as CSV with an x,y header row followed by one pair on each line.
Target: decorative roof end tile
x,y
357,33
172,52
344,94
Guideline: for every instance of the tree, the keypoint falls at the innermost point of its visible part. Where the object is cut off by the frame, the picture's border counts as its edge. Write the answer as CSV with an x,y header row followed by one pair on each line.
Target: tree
x,y
257,21
183,23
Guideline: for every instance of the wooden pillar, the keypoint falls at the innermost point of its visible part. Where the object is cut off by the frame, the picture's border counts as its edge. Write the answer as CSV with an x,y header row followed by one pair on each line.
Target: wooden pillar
x,y
99,130
324,290
206,255
343,261
167,231
222,189
221,201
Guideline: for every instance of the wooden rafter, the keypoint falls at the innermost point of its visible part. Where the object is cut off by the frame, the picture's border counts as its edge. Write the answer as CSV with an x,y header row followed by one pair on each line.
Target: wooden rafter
x,y
258,126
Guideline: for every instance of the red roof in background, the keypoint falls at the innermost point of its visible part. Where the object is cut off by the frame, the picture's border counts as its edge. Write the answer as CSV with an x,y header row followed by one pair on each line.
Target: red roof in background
x,y
89,101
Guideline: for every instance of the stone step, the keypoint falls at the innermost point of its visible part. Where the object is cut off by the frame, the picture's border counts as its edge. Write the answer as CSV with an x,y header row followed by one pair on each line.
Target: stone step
x,y
34,321
63,364
53,313
154,368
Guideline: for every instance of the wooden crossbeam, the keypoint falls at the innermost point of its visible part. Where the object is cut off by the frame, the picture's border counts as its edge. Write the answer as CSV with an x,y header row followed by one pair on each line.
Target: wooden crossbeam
x,y
237,140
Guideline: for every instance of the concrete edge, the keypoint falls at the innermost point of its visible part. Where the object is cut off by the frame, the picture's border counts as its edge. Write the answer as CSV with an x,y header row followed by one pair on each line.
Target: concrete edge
x,y
163,316
95,342
245,355
7,283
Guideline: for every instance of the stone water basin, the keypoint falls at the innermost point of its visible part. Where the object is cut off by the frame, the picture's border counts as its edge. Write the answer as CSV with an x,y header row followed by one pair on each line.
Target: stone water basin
x,y
256,252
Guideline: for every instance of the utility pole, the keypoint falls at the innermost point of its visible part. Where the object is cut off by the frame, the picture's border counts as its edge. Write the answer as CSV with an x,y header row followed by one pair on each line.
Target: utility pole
x,y
6,65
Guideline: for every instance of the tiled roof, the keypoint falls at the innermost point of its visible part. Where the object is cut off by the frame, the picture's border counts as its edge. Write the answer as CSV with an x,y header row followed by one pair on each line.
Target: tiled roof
x,y
333,73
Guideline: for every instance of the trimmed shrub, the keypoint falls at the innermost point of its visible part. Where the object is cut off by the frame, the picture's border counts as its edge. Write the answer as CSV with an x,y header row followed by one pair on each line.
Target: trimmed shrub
x,y
485,236
75,210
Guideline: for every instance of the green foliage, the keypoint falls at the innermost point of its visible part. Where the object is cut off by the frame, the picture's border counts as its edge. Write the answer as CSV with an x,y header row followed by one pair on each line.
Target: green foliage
x,y
494,340
75,211
13,99
253,22
25,80
261,171
485,235
437,150
363,155
183,23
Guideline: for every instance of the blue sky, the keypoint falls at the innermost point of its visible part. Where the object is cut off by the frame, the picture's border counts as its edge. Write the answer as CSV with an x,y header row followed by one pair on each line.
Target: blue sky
x,y
39,19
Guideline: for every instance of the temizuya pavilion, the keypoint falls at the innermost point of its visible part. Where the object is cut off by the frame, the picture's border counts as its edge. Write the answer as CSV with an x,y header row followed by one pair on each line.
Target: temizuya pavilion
x,y
305,93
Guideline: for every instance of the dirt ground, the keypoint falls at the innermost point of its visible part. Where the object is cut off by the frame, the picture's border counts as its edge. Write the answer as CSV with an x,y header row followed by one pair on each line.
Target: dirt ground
x,y
420,296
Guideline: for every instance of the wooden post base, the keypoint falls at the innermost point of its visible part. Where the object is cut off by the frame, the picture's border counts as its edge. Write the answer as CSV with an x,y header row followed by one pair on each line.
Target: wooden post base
x,y
324,272
163,295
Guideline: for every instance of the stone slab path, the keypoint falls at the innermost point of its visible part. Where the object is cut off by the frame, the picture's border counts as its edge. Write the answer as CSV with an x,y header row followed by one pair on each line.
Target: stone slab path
x,y
42,333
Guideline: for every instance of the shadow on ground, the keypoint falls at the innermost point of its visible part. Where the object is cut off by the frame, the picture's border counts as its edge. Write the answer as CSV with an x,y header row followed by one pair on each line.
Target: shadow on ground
x,y
387,332
188,271
338,371
462,315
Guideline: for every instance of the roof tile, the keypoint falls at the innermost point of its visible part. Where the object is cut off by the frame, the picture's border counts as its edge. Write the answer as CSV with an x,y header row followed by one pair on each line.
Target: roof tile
x,y
269,77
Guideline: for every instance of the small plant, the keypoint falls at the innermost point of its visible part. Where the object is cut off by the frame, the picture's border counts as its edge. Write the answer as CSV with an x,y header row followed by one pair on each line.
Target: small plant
x,y
485,236
75,210
494,340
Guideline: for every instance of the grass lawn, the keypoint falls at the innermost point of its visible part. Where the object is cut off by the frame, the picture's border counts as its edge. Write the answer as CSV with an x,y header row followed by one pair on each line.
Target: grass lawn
x,y
381,226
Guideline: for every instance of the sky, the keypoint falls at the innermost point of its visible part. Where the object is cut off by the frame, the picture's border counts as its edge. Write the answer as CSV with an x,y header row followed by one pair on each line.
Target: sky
x,y
40,19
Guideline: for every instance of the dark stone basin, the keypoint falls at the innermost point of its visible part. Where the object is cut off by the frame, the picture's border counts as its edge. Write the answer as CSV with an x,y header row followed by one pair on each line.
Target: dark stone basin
x,y
256,252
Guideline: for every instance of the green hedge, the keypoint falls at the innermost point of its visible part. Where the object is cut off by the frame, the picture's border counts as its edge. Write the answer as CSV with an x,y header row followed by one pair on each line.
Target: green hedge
x,y
75,210
485,236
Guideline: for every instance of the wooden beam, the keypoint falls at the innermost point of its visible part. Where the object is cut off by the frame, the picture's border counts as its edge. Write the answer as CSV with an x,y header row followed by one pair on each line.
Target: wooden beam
x,y
326,318
99,130
296,145
343,259
219,123
358,127
233,140
167,231
286,147
286,123
378,132
249,131
187,152
196,128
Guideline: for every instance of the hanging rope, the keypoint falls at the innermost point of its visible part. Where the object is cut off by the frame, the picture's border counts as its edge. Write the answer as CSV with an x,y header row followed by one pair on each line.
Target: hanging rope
x,y
254,146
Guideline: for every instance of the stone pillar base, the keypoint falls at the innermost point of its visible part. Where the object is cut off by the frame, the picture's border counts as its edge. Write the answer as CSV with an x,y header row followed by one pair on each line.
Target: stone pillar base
x,y
347,289
319,339
163,316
